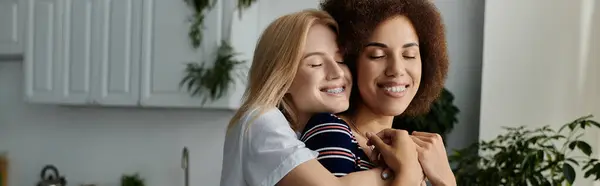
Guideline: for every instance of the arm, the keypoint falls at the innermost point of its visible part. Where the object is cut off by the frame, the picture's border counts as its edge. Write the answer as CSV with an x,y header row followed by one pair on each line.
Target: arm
x,y
332,139
274,155
312,173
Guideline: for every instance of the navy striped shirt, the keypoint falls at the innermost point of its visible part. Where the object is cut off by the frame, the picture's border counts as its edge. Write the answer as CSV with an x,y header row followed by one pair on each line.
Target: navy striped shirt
x,y
338,149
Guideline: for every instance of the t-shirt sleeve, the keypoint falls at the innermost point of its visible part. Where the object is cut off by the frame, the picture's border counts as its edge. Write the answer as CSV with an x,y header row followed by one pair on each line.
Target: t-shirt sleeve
x,y
332,139
272,150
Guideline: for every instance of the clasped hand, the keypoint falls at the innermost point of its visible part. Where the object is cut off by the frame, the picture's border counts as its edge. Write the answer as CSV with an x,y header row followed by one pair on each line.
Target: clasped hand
x,y
414,157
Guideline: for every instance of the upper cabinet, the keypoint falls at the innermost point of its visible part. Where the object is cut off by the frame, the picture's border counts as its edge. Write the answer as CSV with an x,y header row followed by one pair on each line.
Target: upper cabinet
x,y
131,52
115,53
166,49
83,51
12,23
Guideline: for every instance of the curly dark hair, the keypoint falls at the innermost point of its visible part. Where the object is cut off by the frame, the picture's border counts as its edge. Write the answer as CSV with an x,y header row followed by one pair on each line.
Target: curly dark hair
x,y
357,19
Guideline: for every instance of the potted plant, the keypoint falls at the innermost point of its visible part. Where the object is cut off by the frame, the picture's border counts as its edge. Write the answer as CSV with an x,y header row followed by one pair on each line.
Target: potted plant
x,y
440,119
521,156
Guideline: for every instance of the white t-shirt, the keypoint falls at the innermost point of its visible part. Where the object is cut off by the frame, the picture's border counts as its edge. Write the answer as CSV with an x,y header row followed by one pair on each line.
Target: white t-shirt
x,y
261,153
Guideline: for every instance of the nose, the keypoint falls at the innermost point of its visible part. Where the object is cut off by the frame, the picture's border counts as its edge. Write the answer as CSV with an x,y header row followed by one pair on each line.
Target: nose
x,y
334,71
395,66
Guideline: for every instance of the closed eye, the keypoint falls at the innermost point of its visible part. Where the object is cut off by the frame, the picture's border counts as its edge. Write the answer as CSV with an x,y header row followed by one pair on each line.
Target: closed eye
x,y
410,57
376,57
316,65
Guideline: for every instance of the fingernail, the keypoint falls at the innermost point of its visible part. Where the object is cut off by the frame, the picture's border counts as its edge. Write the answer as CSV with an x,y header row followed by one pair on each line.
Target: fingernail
x,y
385,175
368,135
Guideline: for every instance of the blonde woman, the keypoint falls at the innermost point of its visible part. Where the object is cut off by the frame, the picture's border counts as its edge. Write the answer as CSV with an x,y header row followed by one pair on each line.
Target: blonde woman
x,y
296,72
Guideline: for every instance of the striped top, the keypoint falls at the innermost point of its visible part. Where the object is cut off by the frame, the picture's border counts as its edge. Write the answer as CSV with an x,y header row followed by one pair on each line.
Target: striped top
x,y
338,149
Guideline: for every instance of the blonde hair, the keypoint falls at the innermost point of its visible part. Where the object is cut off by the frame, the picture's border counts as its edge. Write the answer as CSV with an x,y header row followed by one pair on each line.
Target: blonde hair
x,y
276,59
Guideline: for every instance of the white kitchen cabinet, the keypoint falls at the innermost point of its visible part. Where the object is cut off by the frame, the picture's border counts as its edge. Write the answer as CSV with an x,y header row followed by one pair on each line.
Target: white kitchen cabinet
x,y
167,49
43,60
116,53
116,67
83,51
12,23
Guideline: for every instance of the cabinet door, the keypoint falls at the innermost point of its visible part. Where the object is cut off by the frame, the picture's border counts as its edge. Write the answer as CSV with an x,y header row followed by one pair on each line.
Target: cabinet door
x,y
167,49
12,19
77,51
116,51
43,63
83,51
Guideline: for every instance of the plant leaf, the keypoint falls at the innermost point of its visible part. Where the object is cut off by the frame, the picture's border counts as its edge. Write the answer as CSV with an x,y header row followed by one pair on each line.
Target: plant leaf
x,y
581,145
594,123
569,173
573,161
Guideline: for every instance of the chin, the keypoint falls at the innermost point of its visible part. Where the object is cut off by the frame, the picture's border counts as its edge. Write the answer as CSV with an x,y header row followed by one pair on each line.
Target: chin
x,y
391,109
338,108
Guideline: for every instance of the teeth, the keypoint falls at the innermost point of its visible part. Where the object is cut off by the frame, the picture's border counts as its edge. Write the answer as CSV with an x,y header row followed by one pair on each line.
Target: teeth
x,y
335,90
395,89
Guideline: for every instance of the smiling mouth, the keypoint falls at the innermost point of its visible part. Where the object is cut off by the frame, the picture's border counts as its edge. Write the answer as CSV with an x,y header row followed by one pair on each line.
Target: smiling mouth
x,y
336,90
394,88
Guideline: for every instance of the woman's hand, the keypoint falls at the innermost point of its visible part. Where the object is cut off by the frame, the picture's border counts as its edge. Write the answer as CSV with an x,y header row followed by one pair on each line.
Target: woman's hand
x,y
399,153
433,158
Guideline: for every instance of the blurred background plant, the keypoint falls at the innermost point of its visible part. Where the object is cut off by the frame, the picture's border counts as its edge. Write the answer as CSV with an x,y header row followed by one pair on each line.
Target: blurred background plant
x,y
521,156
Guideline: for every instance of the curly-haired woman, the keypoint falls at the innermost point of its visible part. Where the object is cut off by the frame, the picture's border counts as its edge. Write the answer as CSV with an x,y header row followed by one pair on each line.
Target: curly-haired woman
x,y
396,52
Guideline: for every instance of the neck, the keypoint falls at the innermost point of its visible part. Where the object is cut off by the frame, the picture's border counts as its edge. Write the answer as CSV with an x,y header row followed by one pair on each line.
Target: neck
x,y
302,119
367,121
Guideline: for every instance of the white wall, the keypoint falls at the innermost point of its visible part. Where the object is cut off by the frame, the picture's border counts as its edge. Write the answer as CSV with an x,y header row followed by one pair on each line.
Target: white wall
x,y
539,67
97,145
464,26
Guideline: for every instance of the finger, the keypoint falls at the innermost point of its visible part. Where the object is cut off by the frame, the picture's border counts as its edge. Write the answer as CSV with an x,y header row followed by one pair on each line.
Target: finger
x,y
387,174
433,141
369,135
382,164
420,142
388,133
424,138
427,134
387,138
378,143
374,155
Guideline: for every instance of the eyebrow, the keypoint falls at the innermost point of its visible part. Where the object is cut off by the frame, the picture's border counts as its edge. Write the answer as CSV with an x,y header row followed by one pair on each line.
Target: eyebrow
x,y
385,46
313,54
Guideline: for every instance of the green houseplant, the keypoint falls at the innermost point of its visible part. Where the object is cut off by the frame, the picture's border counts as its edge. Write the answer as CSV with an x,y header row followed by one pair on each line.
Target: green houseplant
x,y
211,81
440,119
521,156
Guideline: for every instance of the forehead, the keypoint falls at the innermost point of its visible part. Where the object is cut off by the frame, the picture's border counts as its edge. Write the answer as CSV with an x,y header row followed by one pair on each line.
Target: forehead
x,y
320,33
395,30
320,36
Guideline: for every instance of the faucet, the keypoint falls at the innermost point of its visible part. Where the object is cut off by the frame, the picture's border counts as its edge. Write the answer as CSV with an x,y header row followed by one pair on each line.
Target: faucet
x,y
185,164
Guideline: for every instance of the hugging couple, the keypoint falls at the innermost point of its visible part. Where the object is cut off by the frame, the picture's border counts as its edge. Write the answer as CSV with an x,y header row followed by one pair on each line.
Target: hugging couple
x,y
323,89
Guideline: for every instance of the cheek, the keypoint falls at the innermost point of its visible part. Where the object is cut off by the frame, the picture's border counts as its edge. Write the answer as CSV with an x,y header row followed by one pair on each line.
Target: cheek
x,y
300,82
347,73
416,72
366,75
